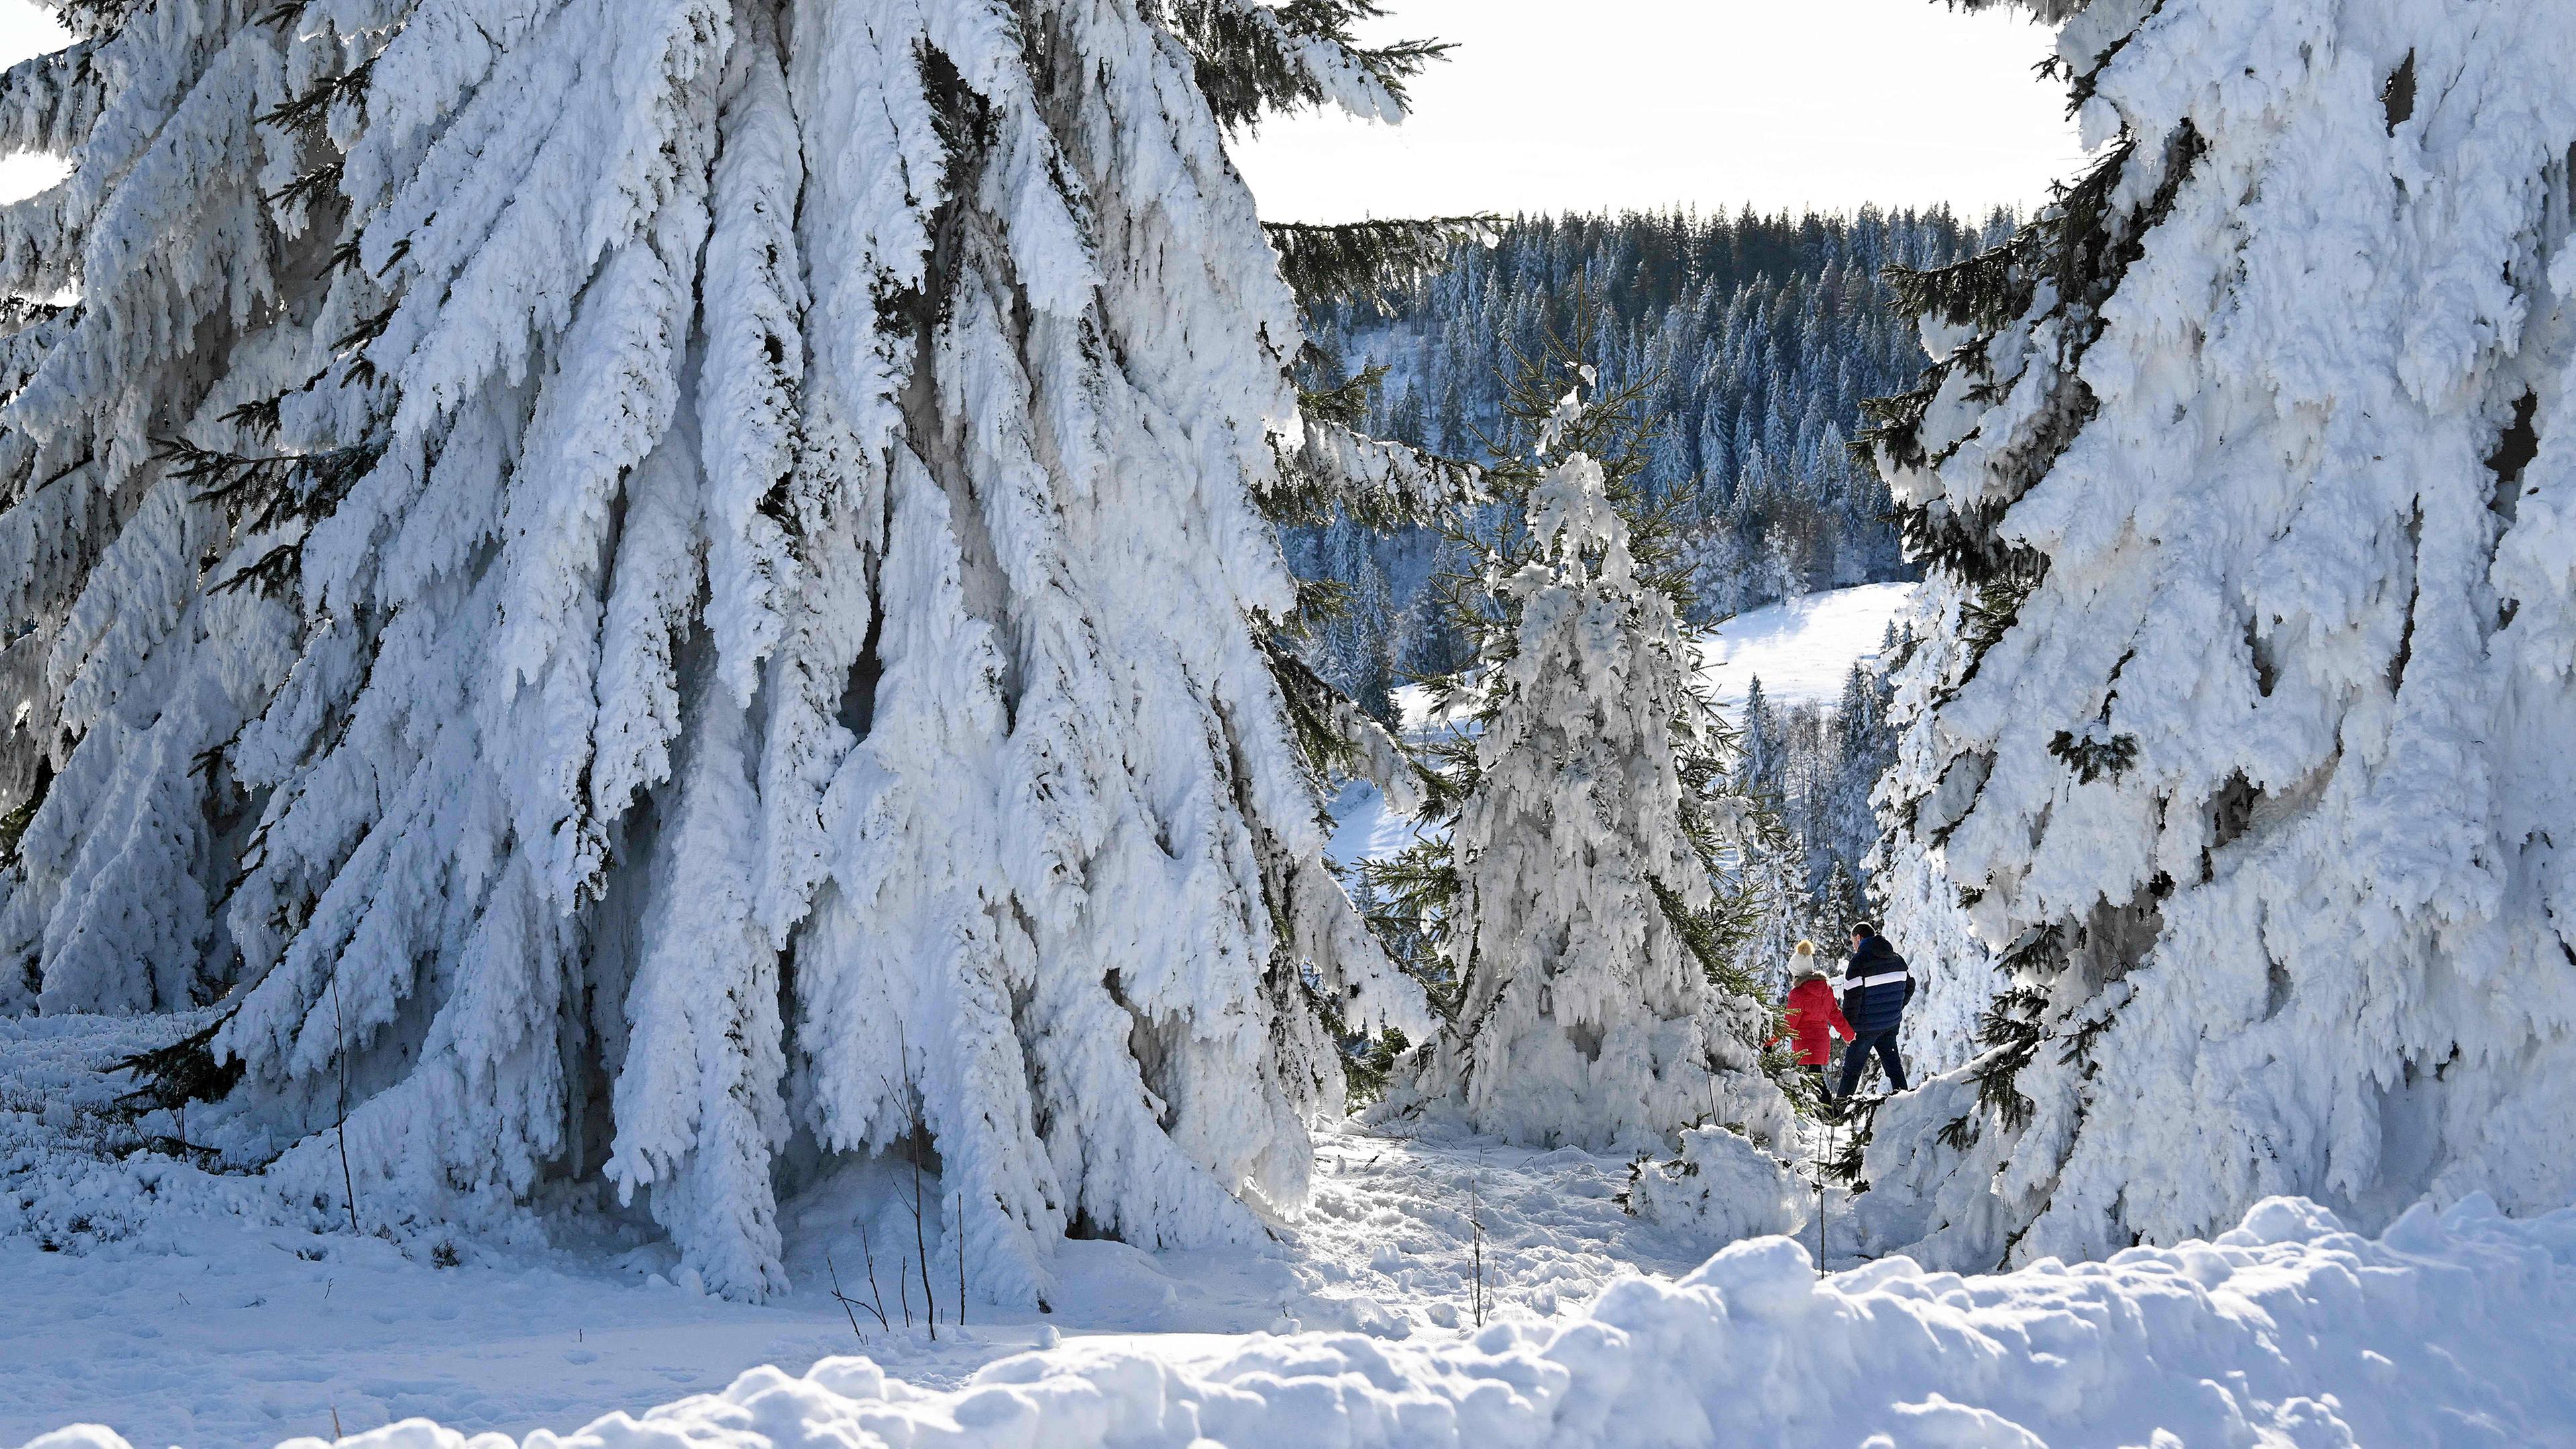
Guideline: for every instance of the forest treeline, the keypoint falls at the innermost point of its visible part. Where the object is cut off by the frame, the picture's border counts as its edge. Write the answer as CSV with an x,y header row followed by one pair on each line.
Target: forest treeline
x,y
1757,337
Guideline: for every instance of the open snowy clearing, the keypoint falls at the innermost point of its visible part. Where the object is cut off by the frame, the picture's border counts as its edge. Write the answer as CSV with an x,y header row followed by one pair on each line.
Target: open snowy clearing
x,y
1803,649
176,1307
2454,1328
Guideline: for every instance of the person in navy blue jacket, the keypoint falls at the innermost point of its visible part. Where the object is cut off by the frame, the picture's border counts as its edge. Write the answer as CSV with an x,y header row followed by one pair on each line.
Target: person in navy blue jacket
x,y
1876,986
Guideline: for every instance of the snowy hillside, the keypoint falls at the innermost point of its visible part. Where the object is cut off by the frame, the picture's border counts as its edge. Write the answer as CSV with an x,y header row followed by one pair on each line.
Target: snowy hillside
x,y
1801,651
2453,1328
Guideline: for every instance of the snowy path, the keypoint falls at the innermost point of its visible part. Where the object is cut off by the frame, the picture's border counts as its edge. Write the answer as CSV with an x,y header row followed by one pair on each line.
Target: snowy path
x,y
1387,1243
190,1323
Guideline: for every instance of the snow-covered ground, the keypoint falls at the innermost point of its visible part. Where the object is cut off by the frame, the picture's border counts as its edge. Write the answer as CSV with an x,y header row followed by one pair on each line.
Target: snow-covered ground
x,y
2452,1329
176,1306
1801,651
179,1307
184,1307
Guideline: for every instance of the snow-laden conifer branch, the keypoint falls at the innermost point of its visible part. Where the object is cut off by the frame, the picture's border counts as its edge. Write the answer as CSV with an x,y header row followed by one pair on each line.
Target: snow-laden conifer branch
x,y
731,484
1376,483
49,102
2047,12
1372,481
1366,260
2076,252
91,19
2237,733
1253,57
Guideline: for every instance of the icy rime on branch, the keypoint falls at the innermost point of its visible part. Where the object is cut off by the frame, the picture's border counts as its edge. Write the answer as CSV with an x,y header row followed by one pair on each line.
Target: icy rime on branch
x,y
2242,733
620,583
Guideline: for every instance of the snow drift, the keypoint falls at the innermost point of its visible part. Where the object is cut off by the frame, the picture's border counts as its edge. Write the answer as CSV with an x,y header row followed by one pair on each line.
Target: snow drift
x,y
2454,1328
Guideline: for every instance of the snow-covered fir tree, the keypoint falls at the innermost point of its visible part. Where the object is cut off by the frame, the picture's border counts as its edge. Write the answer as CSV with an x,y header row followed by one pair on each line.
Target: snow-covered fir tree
x,y
1812,770
2242,730
607,585
1589,876
1862,741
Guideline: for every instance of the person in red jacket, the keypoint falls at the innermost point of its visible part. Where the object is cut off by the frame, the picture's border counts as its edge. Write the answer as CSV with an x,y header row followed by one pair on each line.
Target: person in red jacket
x,y
1811,1018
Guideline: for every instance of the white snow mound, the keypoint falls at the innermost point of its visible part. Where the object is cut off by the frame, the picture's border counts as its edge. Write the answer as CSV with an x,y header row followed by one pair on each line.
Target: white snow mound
x,y
1725,1187
2455,1327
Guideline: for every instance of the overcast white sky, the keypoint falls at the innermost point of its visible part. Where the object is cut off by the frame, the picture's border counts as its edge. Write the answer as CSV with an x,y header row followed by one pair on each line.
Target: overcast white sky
x,y
1603,104
25,30
1548,105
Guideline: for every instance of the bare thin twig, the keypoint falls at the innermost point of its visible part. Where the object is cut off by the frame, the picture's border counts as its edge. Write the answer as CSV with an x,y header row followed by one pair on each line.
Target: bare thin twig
x,y
921,1245
874,1291
1820,1196
340,1026
919,1144
1476,1220
848,1304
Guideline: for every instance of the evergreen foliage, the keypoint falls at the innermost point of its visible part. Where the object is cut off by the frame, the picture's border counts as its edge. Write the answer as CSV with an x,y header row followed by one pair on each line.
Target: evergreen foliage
x,y
1584,887
630,583
1370,261
2238,736
1252,58
1813,770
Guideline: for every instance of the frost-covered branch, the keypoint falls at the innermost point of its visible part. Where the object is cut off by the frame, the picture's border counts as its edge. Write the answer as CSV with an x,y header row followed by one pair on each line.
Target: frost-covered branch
x,y
1378,483
1254,57
2236,477
1367,260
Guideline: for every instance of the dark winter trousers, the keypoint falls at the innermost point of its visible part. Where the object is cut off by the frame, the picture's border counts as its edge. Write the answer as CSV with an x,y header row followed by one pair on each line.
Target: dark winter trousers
x,y
1856,1057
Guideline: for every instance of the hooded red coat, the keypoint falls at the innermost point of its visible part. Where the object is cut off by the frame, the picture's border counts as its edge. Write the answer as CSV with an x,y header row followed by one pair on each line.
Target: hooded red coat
x,y
1811,1018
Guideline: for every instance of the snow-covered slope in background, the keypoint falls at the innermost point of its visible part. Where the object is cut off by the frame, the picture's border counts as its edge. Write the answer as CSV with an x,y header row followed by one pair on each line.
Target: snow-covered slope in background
x,y
2453,1328
1800,650
1363,827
